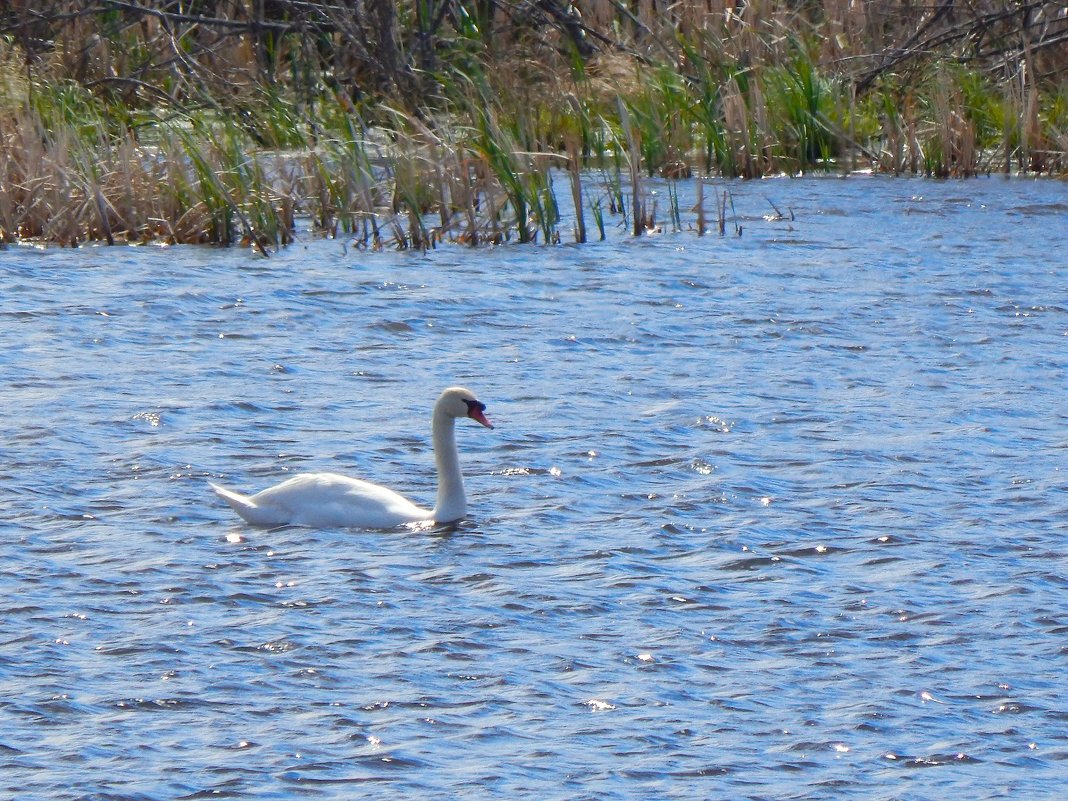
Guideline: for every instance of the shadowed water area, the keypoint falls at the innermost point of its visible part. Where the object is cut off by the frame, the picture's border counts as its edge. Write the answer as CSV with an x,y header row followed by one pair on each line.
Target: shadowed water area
x,y
773,516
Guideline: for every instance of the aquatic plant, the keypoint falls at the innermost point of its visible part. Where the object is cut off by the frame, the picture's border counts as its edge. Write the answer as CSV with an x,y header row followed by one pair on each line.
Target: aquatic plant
x,y
407,124
800,97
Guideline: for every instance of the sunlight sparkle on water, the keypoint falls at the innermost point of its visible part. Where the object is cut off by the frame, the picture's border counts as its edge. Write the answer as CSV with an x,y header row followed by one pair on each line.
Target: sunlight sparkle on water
x,y
776,515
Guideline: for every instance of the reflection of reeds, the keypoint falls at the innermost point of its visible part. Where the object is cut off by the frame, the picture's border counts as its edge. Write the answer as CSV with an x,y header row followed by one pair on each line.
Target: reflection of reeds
x,y
633,150
700,207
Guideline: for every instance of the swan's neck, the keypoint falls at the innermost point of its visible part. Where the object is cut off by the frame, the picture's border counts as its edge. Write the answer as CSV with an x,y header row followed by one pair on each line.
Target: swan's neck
x,y
452,503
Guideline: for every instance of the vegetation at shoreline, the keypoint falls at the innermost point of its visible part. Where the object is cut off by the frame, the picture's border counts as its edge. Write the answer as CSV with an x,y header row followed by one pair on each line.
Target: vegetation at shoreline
x,y
410,123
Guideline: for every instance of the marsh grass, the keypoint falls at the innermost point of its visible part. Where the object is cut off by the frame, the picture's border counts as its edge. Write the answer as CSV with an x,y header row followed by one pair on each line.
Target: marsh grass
x,y
70,185
133,129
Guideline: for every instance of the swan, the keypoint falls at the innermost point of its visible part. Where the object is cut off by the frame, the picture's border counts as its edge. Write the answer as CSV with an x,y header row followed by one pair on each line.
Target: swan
x,y
329,500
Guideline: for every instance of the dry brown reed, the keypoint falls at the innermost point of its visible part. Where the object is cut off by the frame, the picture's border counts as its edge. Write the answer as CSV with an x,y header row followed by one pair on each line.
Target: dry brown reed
x,y
61,187
131,122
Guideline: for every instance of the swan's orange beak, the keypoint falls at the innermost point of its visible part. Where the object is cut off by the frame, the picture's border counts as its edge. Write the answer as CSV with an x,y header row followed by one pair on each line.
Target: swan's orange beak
x,y
477,414
476,410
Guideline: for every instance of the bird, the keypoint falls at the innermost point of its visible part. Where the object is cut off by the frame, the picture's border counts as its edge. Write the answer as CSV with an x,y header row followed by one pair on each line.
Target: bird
x,y
330,500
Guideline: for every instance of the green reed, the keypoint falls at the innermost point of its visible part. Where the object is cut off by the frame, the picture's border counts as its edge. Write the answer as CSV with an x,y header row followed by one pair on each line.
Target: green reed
x,y
800,104
192,136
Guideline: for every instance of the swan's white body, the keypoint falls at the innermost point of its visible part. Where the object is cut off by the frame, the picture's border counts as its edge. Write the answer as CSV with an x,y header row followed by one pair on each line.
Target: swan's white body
x,y
329,500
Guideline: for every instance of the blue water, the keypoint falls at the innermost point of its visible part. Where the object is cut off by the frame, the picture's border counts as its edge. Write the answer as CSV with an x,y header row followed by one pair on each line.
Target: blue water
x,y
772,516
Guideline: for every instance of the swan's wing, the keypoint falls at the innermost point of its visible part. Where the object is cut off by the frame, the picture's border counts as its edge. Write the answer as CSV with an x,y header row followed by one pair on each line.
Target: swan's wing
x,y
247,508
326,500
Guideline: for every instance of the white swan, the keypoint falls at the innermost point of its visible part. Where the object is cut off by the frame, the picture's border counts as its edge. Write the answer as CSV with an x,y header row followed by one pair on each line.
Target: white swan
x,y
329,500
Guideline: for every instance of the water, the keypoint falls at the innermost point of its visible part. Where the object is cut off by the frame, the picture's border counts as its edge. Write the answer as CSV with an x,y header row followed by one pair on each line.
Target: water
x,y
778,516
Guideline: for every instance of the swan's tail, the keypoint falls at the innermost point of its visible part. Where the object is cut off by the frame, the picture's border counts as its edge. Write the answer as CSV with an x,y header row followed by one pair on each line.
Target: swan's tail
x,y
244,506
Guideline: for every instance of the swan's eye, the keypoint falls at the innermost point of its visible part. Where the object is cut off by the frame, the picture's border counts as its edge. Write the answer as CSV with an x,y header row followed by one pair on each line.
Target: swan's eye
x,y
474,405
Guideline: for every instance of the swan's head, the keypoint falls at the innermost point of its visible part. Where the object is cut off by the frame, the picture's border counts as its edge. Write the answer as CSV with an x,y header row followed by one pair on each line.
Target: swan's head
x,y
460,402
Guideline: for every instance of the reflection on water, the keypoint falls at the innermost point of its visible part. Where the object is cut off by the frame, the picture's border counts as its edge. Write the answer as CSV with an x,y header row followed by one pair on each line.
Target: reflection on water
x,y
773,516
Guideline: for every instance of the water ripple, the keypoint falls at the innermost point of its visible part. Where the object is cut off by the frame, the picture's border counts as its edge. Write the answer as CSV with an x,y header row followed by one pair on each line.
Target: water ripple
x,y
771,516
